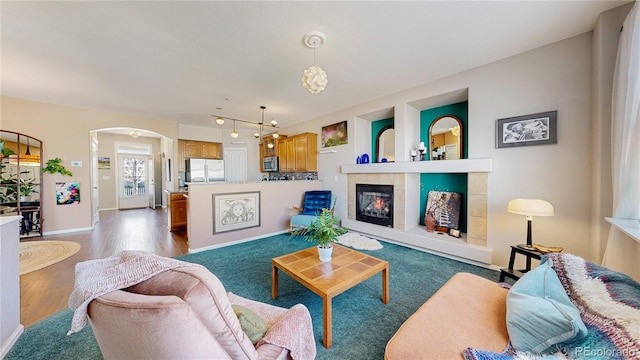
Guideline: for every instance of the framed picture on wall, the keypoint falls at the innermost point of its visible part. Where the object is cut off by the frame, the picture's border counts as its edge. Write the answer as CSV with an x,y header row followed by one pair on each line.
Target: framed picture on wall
x,y
335,134
235,211
534,129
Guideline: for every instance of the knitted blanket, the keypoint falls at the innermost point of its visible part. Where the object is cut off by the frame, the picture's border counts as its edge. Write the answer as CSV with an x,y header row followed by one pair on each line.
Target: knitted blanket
x,y
609,305
95,278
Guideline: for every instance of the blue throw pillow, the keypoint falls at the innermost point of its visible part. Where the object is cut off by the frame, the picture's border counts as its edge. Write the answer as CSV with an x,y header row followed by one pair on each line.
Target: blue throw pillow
x,y
315,201
539,312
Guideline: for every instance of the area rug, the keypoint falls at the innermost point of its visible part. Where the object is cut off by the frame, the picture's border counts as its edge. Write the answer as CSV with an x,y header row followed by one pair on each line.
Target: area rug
x,y
362,324
359,242
35,255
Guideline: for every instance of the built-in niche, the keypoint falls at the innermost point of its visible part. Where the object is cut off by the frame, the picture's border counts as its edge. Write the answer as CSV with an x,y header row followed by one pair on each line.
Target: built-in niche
x,y
383,140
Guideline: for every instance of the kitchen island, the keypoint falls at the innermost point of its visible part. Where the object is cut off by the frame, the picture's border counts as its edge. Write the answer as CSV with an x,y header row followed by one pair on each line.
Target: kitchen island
x,y
208,225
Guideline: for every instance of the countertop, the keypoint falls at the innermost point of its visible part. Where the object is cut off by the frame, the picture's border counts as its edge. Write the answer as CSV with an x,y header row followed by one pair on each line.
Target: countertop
x,y
246,182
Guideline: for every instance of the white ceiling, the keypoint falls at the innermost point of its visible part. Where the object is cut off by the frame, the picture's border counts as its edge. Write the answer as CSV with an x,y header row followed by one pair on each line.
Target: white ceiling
x,y
184,60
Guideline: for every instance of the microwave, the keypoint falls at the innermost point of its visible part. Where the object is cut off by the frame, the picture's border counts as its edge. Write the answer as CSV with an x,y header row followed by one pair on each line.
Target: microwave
x,y
270,163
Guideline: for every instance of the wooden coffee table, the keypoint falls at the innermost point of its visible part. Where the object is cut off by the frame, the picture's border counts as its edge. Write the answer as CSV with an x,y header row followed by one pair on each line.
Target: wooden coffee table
x,y
346,269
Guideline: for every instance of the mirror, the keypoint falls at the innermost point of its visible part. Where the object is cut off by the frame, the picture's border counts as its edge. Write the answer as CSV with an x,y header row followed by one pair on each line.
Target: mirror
x,y
386,144
445,138
20,179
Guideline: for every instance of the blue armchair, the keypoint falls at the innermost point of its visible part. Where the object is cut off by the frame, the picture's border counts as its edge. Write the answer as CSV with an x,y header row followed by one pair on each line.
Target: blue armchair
x,y
313,203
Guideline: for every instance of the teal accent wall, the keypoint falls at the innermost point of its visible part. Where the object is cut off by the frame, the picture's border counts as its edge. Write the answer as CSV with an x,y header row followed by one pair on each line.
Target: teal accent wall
x,y
376,126
459,110
445,182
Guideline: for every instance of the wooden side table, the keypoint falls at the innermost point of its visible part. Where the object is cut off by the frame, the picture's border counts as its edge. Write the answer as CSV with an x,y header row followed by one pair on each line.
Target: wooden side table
x,y
517,274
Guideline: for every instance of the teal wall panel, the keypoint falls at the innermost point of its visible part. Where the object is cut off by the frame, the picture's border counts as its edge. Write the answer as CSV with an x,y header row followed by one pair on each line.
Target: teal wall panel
x,y
445,182
376,126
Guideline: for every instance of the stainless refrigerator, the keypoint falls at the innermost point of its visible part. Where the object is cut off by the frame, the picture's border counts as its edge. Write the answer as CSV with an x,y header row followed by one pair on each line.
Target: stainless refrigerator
x,y
204,170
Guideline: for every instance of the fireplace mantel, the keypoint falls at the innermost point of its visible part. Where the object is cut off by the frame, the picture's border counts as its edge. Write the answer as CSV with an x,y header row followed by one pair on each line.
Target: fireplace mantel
x,y
433,166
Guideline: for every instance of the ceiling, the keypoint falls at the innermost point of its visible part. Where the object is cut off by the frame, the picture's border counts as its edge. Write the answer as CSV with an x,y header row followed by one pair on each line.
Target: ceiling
x,y
185,61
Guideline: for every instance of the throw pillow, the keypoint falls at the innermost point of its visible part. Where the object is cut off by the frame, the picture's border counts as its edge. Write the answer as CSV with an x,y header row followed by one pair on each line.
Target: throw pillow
x,y
539,312
315,201
252,324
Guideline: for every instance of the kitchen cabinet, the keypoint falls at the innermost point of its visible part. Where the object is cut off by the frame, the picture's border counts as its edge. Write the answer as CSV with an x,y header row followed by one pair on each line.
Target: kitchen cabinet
x,y
197,149
270,145
177,211
298,153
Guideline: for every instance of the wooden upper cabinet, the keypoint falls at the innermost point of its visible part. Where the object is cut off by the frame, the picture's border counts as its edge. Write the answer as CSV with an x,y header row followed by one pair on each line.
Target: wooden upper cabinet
x,y
211,150
197,149
273,150
192,149
298,153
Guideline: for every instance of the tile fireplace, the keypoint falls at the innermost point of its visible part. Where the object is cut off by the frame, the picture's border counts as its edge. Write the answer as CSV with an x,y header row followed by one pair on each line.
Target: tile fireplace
x,y
374,204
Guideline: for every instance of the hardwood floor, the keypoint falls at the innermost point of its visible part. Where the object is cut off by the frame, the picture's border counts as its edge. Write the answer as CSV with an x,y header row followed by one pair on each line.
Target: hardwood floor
x,y
46,291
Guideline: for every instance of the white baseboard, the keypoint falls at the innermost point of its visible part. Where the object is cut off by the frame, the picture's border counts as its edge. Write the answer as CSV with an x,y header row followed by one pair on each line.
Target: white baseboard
x,y
217,246
101,209
66,231
11,341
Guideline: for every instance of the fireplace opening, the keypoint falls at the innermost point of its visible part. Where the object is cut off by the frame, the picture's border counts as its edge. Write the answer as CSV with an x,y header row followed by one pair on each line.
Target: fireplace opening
x,y
374,204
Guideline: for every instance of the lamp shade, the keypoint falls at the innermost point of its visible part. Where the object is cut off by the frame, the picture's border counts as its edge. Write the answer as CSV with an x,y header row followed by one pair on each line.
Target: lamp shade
x,y
530,207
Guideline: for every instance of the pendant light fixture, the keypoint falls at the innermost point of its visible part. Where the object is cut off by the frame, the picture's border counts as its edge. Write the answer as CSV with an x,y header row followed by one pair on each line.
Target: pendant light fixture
x,y
234,133
220,120
27,159
259,135
314,78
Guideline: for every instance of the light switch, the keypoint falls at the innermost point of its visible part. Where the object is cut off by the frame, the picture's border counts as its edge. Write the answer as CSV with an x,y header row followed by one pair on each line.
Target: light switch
x,y
106,177
76,163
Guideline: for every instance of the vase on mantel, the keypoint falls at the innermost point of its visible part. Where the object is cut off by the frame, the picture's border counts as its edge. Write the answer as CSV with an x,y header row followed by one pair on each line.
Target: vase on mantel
x,y
429,221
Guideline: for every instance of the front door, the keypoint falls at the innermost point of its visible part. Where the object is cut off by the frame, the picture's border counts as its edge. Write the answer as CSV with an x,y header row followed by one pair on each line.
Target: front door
x,y
133,188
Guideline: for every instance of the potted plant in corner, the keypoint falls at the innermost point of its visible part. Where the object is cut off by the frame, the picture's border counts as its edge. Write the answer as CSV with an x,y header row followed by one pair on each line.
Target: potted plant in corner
x,y
324,231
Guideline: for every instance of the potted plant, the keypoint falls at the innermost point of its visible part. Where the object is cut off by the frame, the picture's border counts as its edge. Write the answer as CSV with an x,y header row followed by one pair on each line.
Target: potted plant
x,y
324,231
54,166
27,187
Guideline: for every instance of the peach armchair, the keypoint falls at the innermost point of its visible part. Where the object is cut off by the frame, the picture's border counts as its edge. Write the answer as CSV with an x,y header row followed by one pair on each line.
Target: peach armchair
x,y
185,313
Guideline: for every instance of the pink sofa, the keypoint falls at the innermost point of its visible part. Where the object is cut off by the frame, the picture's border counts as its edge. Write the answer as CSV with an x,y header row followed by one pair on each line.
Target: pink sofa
x,y
468,311
185,313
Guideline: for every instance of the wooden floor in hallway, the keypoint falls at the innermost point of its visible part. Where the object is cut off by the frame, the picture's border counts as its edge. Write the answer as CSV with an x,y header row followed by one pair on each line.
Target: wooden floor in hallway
x,y
46,291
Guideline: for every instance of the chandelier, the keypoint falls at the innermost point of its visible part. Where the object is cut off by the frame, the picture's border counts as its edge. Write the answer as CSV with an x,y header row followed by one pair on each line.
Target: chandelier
x,y
314,78
258,134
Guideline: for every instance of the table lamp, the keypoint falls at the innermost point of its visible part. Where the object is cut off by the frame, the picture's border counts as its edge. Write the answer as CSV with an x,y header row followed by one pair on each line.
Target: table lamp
x,y
529,208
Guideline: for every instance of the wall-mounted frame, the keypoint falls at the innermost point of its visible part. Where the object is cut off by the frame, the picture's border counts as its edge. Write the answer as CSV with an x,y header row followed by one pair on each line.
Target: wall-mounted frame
x,y
235,211
335,134
534,129
67,193
104,163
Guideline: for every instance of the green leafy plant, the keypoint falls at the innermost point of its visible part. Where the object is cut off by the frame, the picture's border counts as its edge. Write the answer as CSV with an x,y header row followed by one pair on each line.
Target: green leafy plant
x,y
54,166
6,152
27,187
324,230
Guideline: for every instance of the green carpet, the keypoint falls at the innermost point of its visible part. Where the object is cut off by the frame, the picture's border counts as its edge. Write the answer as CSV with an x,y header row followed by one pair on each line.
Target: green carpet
x,y
362,324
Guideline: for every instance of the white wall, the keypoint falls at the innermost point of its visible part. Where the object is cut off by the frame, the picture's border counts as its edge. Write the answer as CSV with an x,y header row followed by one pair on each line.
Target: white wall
x,y
554,77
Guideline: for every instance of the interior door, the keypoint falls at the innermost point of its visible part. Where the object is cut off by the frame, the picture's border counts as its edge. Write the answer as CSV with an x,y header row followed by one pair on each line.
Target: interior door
x,y
151,182
235,163
133,181
95,210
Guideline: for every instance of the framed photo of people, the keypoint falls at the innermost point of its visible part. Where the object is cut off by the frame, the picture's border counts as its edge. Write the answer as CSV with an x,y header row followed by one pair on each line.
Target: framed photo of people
x,y
534,129
235,211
